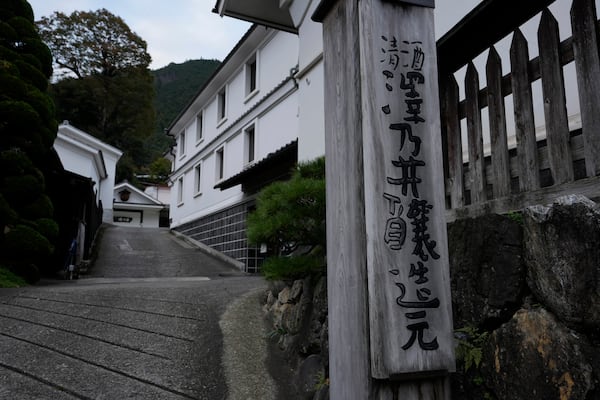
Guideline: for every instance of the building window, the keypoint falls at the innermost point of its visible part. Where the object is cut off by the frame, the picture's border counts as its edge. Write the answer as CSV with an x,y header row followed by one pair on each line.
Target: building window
x,y
249,144
198,179
180,191
182,144
199,127
222,99
220,167
251,75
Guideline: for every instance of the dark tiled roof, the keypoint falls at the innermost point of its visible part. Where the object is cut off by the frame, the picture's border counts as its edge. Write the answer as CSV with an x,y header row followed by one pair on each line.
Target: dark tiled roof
x,y
272,160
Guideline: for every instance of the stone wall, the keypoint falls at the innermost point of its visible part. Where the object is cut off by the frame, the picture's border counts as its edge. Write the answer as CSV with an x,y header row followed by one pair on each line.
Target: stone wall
x,y
525,291
297,311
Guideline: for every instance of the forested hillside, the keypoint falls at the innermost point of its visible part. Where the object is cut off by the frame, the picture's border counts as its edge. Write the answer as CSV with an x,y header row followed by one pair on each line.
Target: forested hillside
x,y
176,85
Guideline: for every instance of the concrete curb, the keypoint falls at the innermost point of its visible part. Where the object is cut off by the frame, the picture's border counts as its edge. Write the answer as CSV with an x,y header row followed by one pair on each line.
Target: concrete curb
x,y
245,350
209,250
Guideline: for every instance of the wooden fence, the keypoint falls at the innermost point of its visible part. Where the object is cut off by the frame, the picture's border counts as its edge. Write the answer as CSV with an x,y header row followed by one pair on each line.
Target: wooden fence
x,y
536,171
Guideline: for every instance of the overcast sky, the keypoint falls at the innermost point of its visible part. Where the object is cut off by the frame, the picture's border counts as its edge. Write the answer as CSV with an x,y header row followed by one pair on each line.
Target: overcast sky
x,y
175,30
180,30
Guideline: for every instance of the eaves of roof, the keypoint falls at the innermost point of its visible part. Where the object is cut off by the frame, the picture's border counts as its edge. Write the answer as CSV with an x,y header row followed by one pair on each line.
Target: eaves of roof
x,y
271,160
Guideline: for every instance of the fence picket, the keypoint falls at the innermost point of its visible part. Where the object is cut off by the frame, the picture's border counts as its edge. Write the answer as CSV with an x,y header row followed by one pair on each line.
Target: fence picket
x,y
587,63
454,143
500,161
475,135
527,154
555,110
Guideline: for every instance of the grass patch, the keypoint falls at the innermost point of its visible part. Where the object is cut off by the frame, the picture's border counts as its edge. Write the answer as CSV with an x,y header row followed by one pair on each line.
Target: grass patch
x,y
10,280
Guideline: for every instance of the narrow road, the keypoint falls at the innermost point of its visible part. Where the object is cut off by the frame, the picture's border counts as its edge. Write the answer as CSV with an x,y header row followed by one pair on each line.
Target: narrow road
x,y
143,325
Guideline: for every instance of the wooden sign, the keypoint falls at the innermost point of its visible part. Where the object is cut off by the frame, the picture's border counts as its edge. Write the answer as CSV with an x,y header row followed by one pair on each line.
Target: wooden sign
x,y
410,307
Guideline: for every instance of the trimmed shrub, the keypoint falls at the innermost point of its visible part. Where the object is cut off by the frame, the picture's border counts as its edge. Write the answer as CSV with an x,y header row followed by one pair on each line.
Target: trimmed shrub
x,y
23,249
290,219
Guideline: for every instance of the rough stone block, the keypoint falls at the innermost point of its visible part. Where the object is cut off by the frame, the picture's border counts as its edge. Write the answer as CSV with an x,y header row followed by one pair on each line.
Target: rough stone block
x,y
296,291
535,357
562,254
320,300
487,270
293,317
284,296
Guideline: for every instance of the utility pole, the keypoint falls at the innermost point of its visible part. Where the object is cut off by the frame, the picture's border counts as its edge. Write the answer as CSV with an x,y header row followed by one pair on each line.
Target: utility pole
x,y
390,311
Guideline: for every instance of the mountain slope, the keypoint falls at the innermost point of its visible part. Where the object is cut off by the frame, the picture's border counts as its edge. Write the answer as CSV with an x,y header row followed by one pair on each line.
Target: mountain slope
x,y
175,85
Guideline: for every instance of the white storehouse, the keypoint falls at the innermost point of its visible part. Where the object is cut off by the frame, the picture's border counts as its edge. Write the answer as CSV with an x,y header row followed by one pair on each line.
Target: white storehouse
x,y
89,157
259,114
134,208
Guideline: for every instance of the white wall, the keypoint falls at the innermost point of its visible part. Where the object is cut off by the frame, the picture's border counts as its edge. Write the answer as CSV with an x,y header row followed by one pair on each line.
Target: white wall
x,y
151,218
160,193
311,142
88,156
273,112
77,158
106,187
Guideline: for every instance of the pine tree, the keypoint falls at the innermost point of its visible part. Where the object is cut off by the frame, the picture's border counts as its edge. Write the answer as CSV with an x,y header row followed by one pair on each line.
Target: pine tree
x,y
27,132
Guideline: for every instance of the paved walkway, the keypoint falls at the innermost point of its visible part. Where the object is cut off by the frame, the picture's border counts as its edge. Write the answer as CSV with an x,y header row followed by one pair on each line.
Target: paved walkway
x,y
147,323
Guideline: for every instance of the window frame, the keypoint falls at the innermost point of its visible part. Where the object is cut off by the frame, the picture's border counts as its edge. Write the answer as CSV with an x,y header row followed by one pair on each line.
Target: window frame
x,y
198,179
222,106
181,145
200,127
251,77
180,191
250,144
220,163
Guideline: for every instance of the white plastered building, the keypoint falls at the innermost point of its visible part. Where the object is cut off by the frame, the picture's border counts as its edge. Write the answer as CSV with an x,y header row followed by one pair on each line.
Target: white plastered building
x,y
87,156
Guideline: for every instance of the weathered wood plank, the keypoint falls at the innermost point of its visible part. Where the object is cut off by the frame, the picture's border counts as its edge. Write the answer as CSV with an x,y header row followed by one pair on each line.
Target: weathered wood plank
x,y
474,135
553,89
346,261
587,63
451,122
485,25
497,113
529,176
432,389
543,161
410,318
589,187
566,56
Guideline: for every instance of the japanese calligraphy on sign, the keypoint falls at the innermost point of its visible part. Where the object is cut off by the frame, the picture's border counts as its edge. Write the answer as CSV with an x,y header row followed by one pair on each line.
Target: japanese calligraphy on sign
x,y
410,307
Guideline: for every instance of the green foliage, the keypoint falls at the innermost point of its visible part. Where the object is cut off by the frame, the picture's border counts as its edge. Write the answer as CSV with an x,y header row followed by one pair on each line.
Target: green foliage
x,y
27,132
22,189
322,381
469,346
292,268
41,207
90,43
48,228
175,86
10,280
516,216
107,89
8,216
159,170
15,8
24,249
277,334
290,219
